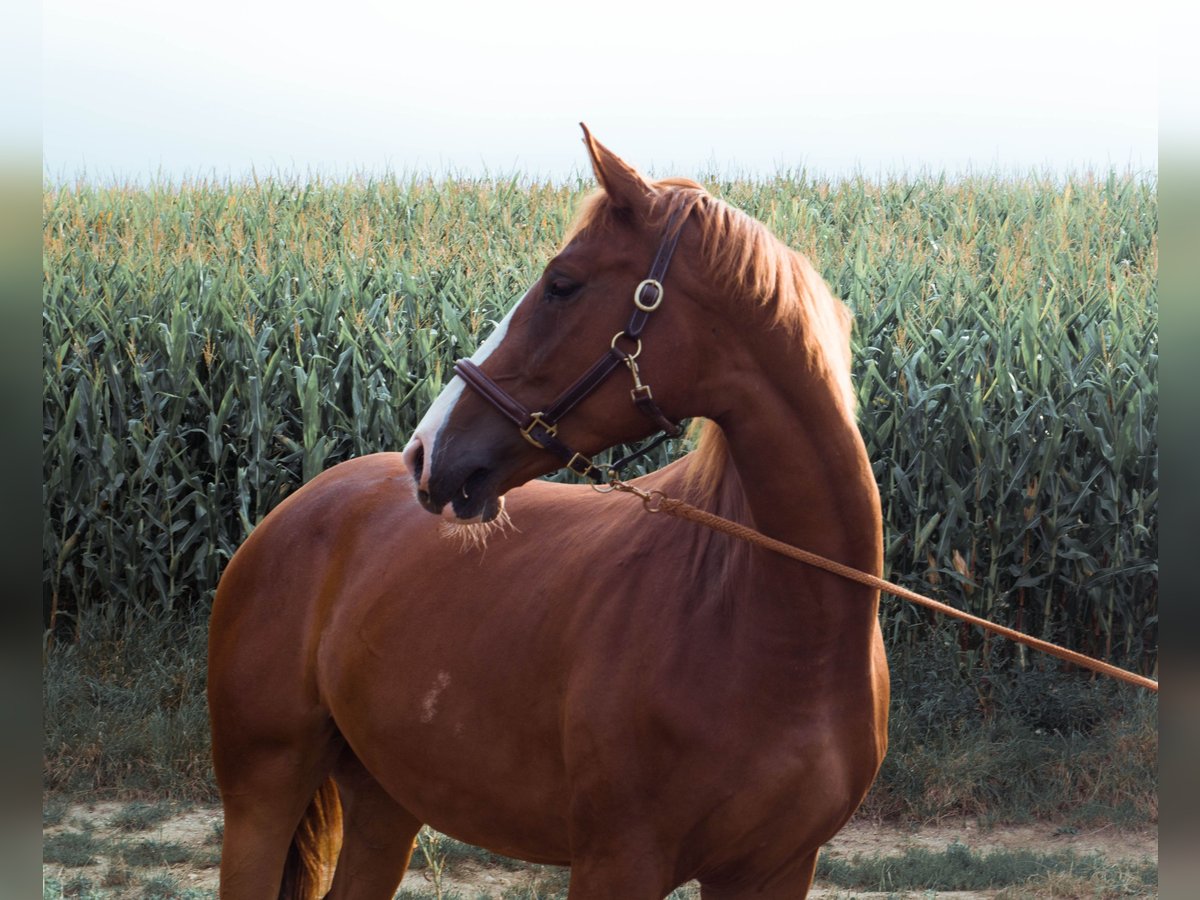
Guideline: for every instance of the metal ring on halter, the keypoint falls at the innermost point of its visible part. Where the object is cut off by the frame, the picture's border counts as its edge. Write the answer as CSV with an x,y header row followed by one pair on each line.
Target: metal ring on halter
x,y
637,295
653,501
628,356
608,486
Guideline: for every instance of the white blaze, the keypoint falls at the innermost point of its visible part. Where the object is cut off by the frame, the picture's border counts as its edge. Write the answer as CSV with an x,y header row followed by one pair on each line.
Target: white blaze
x,y
429,429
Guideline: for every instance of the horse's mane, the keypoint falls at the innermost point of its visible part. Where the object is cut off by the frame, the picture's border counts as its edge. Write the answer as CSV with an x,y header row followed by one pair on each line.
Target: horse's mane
x,y
749,265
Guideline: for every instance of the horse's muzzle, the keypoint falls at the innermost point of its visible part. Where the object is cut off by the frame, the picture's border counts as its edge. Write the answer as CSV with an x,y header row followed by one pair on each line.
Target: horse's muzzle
x,y
458,490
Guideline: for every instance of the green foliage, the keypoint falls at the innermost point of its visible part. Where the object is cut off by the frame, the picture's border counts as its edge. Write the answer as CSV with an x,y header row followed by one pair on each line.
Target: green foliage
x,y
144,854
54,810
72,848
167,887
958,868
128,710
1015,746
1007,383
141,816
210,347
78,886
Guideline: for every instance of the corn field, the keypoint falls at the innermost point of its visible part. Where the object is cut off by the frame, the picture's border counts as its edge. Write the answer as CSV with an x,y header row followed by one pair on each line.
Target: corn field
x,y
211,346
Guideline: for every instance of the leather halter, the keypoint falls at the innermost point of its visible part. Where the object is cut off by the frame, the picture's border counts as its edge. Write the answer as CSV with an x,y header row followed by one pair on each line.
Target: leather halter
x,y
540,428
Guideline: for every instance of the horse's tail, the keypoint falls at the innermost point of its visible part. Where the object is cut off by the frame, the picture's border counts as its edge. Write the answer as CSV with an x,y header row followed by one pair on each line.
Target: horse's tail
x,y
315,846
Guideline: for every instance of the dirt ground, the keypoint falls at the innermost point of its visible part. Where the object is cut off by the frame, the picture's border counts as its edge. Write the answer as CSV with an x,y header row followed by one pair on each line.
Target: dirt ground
x,y
197,829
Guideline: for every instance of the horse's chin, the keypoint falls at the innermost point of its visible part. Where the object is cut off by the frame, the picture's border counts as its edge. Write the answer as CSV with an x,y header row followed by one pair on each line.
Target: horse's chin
x,y
462,511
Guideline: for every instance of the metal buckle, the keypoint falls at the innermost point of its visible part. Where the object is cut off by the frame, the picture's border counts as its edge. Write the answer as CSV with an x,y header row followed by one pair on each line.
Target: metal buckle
x,y
641,392
637,295
587,465
535,419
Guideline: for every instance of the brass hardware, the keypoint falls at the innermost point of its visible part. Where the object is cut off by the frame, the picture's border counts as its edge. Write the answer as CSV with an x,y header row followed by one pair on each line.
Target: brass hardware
x,y
587,464
535,419
637,295
610,485
653,500
628,356
639,389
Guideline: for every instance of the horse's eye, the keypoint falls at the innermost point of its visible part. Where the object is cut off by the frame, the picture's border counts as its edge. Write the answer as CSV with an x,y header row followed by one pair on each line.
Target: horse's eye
x,y
559,288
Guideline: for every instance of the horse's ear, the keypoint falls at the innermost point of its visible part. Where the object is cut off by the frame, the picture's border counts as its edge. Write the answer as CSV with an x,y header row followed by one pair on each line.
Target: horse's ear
x,y
622,182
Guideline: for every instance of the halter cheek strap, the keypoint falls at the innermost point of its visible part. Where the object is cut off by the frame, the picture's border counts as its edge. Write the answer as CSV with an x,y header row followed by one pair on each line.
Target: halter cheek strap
x,y
540,427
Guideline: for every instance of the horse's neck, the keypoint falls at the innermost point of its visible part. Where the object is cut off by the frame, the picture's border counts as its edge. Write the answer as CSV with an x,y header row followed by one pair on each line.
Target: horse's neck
x,y
806,479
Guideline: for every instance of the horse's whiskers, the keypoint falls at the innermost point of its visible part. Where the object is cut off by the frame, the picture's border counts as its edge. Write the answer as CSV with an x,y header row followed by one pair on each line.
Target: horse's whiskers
x,y
475,535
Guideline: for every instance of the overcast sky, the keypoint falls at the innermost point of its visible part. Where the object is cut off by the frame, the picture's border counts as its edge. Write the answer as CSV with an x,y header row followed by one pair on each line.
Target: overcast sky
x,y
132,88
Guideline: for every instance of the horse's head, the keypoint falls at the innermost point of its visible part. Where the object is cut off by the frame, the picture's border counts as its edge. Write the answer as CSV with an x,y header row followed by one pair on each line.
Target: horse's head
x,y
481,437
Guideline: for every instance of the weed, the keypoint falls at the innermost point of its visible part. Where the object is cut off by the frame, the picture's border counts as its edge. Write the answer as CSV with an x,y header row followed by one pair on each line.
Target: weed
x,y
77,886
141,816
116,876
952,755
167,887
144,854
1109,884
54,810
160,887
455,853
207,857
129,711
430,844
958,868
427,894
545,883
73,848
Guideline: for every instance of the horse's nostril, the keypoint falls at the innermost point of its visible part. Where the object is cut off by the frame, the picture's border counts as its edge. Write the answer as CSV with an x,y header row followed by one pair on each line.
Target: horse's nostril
x,y
418,463
426,501
414,459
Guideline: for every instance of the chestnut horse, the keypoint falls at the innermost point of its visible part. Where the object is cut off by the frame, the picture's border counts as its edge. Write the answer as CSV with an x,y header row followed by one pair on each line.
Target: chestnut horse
x,y
632,696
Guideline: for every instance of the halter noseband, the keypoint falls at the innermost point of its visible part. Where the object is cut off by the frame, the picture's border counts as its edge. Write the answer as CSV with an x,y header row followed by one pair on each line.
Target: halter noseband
x,y
541,428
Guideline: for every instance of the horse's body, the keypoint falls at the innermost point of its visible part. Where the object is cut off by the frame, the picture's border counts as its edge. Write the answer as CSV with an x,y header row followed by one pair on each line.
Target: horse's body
x,y
634,697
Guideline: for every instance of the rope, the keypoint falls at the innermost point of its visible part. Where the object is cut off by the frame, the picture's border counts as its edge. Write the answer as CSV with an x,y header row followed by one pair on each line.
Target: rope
x,y
656,501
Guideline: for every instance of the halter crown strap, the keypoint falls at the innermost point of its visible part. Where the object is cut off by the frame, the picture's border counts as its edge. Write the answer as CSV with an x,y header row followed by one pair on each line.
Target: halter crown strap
x,y
540,428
